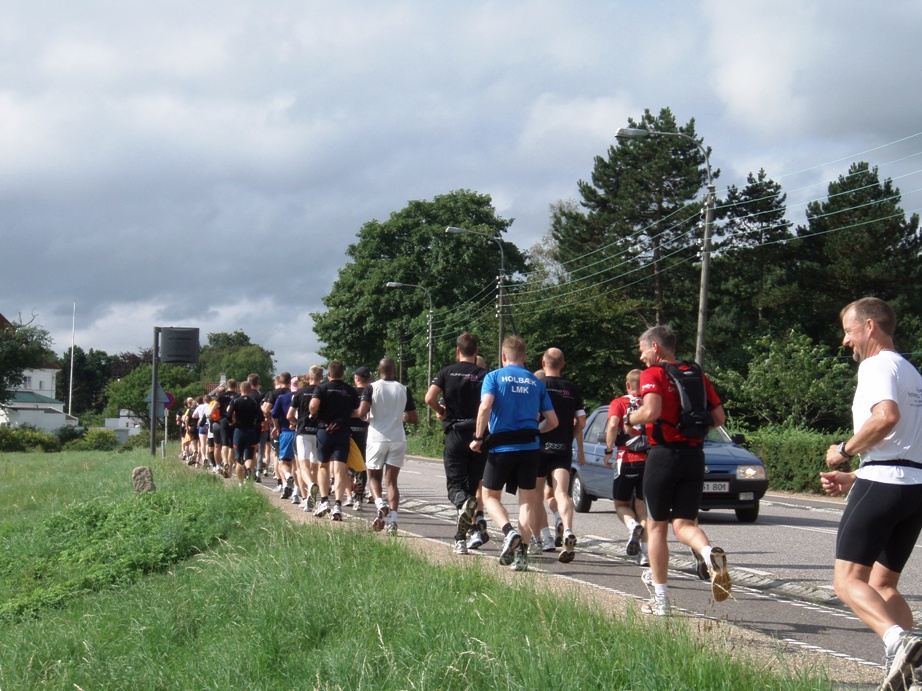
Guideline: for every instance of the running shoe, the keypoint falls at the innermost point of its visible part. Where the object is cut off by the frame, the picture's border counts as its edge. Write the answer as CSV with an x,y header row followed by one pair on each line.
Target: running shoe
x,y
313,492
558,540
548,543
466,515
535,544
569,543
720,577
296,499
278,488
258,477
520,563
337,513
348,500
391,529
378,524
701,569
484,533
323,508
289,488
510,545
307,506
474,541
656,606
905,658
357,503
460,546
643,559
647,578
633,545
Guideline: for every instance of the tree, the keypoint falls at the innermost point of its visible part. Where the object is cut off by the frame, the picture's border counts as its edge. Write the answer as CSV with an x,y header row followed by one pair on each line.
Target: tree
x,y
754,273
22,346
91,375
363,316
235,355
858,243
640,219
791,382
129,392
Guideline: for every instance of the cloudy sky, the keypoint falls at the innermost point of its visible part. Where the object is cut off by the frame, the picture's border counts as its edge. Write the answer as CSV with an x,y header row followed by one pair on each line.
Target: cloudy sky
x,y
206,164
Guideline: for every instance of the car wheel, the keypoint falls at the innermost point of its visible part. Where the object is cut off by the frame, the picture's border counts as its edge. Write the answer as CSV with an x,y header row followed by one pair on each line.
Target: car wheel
x,y
581,500
747,515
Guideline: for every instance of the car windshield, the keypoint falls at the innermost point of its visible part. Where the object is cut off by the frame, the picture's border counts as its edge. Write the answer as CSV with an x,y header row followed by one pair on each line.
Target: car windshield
x,y
719,435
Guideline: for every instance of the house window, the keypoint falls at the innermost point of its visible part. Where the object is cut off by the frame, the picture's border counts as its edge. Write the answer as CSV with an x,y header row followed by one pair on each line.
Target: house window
x,y
27,382
41,384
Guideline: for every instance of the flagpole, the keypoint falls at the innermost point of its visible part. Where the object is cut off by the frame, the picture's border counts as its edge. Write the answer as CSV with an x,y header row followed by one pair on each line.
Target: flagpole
x,y
73,340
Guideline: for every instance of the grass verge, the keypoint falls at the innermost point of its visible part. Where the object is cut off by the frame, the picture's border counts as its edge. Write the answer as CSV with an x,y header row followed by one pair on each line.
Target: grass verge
x,y
215,590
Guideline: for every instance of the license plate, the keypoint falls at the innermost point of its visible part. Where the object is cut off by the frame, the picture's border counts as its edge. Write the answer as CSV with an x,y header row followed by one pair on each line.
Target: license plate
x,y
712,487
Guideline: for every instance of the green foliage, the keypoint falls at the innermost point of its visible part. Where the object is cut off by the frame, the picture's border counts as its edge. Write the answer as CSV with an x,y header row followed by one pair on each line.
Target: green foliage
x,y
135,442
640,219
412,247
793,458
99,543
96,439
235,355
24,439
68,433
22,346
790,383
130,391
91,373
424,441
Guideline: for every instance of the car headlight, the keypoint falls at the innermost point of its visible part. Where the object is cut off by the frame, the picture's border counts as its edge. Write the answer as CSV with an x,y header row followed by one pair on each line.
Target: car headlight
x,y
750,472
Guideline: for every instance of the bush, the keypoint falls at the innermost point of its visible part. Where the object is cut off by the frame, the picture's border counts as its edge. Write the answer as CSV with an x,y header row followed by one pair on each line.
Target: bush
x,y
96,439
136,441
793,457
67,433
426,441
25,439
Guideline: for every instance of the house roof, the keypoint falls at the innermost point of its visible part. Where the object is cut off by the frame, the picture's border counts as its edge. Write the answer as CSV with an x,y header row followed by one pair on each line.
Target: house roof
x,y
32,397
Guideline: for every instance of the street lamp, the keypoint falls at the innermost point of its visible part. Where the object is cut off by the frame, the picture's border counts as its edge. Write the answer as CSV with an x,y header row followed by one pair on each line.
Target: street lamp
x,y
396,284
453,230
638,133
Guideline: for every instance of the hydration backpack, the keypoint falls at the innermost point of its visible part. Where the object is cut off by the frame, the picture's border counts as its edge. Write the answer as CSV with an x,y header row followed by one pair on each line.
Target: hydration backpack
x,y
694,419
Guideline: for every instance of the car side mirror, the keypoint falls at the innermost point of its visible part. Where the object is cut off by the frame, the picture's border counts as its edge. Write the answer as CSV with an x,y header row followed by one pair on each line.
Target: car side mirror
x,y
738,439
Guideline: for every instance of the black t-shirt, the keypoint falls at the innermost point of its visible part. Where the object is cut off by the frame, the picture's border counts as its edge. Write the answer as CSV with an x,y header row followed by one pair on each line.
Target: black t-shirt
x,y
567,400
357,426
224,400
245,413
460,384
337,401
301,402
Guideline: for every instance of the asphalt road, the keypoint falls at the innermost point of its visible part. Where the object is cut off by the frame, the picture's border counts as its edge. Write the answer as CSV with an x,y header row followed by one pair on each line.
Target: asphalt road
x,y
781,565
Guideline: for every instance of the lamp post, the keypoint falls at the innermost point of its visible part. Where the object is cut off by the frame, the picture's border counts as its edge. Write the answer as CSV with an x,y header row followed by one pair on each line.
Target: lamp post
x,y
638,133
396,284
453,230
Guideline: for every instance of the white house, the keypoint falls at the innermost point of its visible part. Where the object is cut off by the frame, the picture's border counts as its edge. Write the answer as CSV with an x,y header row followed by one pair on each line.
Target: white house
x,y
33,403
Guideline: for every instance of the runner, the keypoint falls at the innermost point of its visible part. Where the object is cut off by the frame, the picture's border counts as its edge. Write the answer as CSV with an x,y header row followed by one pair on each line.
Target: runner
x,y
632,447
511,400
306,427
388,404
334,403
674,473
454,395
246,418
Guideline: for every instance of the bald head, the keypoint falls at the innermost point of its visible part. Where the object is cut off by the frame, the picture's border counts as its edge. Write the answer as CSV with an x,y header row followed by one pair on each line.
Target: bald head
x,y
553,362
387,368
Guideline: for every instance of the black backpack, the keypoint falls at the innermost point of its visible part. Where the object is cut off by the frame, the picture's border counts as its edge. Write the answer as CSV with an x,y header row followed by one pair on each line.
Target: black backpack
x,y
695,419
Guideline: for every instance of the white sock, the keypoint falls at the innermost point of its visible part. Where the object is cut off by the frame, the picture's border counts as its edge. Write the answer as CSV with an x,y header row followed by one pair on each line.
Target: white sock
x,y
630,525
556,518
545,533
392,516
643,548
661,591
706,554
287,475
891,636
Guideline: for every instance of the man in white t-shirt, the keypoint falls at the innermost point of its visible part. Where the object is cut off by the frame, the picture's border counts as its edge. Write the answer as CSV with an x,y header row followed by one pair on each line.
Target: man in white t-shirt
x,y
883,517
388,404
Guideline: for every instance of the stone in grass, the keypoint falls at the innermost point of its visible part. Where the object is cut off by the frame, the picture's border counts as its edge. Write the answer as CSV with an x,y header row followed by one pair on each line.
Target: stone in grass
x,y
143,478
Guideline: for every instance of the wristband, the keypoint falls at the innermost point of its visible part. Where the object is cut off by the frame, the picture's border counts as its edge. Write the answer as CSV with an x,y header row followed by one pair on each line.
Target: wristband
x,y
609,452
478,438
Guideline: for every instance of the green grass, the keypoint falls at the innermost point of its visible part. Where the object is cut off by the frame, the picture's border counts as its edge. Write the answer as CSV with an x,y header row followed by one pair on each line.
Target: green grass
x,y
205,587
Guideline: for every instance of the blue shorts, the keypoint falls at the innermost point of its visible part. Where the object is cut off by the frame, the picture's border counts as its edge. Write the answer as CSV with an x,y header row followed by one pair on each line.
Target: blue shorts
x,y
287,445
333,446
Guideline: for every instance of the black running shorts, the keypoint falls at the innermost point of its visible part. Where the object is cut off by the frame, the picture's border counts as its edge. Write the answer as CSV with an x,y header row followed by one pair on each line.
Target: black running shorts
x,y
513,468
881,522
334,446
673,482
629,482
549,462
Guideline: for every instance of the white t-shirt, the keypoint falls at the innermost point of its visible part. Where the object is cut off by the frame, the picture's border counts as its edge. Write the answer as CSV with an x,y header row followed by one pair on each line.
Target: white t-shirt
x,y
385,419
201,412
887,376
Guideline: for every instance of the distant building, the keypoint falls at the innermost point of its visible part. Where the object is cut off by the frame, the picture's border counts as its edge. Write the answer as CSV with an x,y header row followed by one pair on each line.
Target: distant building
x,y
33,403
